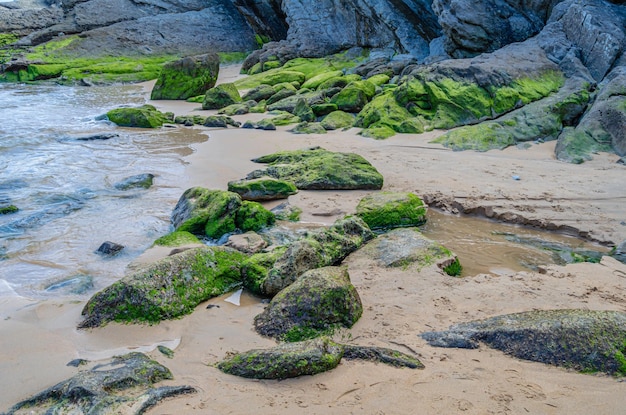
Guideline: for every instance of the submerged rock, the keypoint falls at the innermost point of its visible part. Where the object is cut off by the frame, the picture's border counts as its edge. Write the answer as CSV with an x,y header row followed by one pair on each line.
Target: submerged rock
x,y
109,248
318,301
122,386
319,169
143,181
166,289
585,340
288,360
187,77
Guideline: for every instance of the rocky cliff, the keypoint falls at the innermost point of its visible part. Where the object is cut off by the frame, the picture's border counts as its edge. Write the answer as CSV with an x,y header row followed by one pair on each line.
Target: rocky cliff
x,y
487,43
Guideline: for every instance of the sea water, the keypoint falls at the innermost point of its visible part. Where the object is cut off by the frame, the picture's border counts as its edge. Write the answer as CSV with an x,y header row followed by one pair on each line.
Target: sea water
x,y
63,181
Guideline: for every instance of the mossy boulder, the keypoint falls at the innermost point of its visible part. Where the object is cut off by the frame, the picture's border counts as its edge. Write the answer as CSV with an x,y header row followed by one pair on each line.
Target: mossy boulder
x,y
378,132
379,79
337,120
264,188
323,109
256,268
122,384
288,360
220,121
324,247
221,96
252,216
317,80
385,111
339,81
319,169
350,99
146,116
308,128
237,109
187,77
206,212
408,248
289,103
585,340
259,93
387,210
166,289
5,210
177,238
304,111
190,120
318,301
280,95
280,75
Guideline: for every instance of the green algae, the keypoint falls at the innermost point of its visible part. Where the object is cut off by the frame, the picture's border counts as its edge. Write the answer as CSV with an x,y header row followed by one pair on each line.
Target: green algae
x,y
388,210
177,238
263,189
186,78
337,120
385,111
146,116
6,210
221,96
252,216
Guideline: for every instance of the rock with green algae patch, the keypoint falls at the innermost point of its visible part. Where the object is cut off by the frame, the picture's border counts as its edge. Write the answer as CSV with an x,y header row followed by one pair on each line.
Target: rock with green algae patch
x,y
339,81
252,216
584,340
285,361
388,210
166,289
543,119
304,111
317,80
320,300
308,128
259,93
323,109
237,109
120,385
220,121
139,181
337,120
6,210
146,116
319,169
264,188
385,111
221,96
378,132
408,248
206,212
268,274
350,99
177,238
187,77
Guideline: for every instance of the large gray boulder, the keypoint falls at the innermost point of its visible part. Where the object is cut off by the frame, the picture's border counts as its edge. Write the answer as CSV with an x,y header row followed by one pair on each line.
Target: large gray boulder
x,y
584,340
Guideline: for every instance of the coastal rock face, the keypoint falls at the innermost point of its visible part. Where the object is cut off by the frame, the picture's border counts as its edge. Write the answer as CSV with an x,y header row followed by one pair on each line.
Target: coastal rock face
x,y
109,387
316,302
584,340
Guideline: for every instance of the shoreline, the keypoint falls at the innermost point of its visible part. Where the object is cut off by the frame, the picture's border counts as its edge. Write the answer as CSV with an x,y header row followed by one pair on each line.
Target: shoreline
x,y
40,337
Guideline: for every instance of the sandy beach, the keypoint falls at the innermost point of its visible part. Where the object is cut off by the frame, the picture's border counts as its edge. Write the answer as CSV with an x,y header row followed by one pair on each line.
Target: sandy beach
x,y
39,338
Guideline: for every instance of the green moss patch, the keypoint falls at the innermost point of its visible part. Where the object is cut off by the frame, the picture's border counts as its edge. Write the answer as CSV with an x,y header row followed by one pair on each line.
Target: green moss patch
x,y
187,77
146,116
263,189
221,96
6,210
337,120
387,210
177,238
252,216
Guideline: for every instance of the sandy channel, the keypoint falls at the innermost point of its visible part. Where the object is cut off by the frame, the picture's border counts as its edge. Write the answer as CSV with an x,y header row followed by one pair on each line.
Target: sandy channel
x,y
39,338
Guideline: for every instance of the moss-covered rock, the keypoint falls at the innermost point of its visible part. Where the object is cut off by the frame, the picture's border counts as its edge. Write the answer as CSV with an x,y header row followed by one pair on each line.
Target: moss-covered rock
x,y
289,103
280,95
408,248
337,120
308,128
288,360
122,384
386,210
317,80
265,188
190,120
256,268
187,77
319,169
339,81
378,132
328,246
237,109
168,288
142,181
177,238
323,109
5,210
259,93
252,216
220,121
543,119
350,99
146,116
206,212
379,79
383,355
318,301
585,340
385,111
304,111
221,96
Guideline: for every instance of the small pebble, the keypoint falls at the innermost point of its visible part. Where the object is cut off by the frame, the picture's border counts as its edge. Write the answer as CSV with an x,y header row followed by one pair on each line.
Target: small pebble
x,y
515,177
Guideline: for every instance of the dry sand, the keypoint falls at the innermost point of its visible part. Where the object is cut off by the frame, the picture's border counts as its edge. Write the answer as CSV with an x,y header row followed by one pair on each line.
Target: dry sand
x,y
39,338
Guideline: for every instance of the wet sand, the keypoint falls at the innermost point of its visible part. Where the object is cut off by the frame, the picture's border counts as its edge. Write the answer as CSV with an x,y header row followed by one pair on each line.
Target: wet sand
x,y
40,338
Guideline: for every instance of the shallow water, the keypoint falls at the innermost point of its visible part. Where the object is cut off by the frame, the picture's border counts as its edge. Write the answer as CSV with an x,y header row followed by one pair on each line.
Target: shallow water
x,y
64,185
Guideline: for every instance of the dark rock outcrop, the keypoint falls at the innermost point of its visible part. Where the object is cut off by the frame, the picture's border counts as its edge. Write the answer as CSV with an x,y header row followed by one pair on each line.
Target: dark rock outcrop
x,y
122,385
584,340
